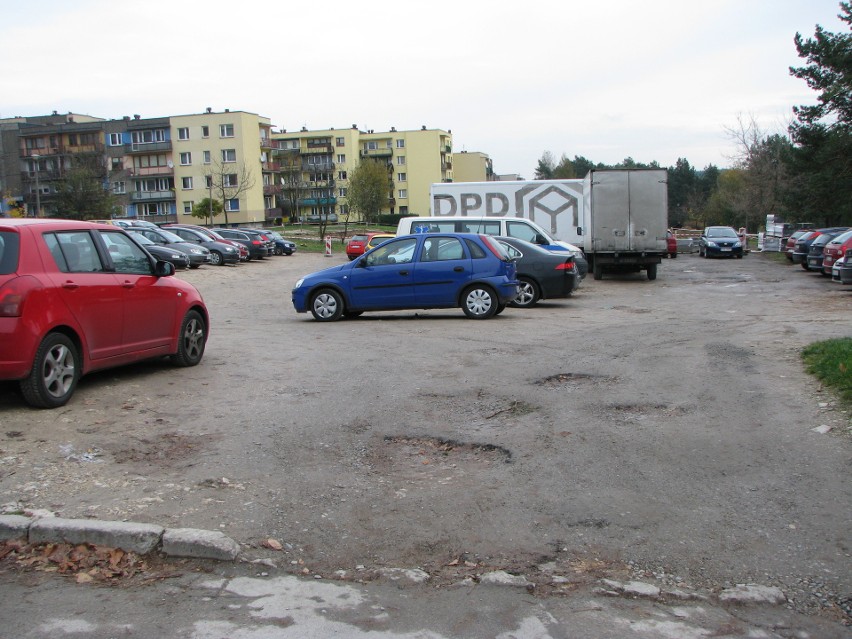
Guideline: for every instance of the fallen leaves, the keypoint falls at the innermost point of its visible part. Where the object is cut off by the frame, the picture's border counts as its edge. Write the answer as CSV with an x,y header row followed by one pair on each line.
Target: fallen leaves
x,y
87,563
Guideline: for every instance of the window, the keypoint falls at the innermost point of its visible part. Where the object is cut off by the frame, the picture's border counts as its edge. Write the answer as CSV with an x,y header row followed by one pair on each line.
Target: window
x,y
401,177
372,146
114,139
226,130
208,181
341,175
186,183
340,142
185,158
400,159
393,252
74,252
188,206
206,157
232,205
438,249
520,231
403,194
126,256
342,193
119,188
230,179
400,144
229,155
341,159
205,132
183,133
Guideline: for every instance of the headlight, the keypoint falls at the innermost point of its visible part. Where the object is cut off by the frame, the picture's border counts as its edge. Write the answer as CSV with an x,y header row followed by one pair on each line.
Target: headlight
x,y
196,251
299,283
175,256
713,244
738,245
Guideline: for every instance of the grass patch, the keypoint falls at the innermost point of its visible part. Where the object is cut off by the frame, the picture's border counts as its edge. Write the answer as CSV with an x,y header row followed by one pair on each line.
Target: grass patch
x,y
831,362
306,236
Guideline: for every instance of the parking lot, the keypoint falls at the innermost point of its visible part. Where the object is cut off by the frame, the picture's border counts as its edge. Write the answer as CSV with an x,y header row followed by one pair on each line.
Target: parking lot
x,y
656,429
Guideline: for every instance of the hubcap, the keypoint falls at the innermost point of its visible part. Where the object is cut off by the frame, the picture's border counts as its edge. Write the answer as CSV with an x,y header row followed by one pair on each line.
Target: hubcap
x,y
58,373
525,294
193,338
325,305
479,301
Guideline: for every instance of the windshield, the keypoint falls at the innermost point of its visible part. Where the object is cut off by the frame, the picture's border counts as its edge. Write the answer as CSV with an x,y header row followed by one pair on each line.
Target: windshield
x,y
721,232
171,237
140,238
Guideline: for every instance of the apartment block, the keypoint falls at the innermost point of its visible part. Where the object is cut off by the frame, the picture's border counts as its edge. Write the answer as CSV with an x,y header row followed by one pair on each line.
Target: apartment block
x,y
315,166
472,167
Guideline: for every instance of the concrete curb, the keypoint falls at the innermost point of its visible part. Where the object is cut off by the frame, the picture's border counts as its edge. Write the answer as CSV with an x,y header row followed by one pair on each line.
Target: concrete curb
x,y
131,536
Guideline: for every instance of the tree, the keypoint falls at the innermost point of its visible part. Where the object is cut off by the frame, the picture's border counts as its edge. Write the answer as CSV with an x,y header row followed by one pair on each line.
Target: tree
x,y
293,187
823,132
207,209
546,165
228,180
82,193
369,189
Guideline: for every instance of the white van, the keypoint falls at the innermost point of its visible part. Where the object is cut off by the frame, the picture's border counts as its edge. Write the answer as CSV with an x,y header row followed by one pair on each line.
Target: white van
x,y
507,226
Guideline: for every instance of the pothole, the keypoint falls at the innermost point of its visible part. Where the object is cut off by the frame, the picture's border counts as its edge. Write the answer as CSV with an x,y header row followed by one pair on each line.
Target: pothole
x,y
442,449
163,449
573,378
638,412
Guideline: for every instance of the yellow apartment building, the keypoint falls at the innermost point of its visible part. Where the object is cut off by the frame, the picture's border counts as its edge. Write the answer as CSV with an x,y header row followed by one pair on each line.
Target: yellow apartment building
x,y
472,166
227,156
315,166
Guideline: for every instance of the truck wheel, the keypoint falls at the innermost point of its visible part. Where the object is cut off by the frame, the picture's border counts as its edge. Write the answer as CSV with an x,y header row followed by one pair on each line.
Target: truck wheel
x,y
597,271
652,272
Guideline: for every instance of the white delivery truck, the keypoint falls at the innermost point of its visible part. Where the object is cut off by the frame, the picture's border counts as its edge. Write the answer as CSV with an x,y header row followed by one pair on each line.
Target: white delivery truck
x,y
628,218
555,206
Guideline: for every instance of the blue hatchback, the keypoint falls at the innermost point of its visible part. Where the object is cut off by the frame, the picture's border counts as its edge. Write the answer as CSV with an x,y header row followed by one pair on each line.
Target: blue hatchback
x,y
447,270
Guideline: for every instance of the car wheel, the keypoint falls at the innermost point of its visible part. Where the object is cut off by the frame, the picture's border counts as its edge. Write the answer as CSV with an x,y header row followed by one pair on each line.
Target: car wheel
x,y
652,272
479,302
805,266
194,265
327,305
191,340
673,255
216,258
279,250
740,256
500,309
528,294
54,374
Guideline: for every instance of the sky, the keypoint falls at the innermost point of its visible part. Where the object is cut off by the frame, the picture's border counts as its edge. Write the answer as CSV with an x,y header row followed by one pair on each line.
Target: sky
x,y
655,80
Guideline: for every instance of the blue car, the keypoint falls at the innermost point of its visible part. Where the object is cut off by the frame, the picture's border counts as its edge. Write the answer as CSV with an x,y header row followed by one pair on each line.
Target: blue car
x,y
447,270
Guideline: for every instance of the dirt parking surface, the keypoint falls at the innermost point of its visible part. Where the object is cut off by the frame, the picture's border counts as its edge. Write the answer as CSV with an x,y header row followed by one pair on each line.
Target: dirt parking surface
x,y
661,429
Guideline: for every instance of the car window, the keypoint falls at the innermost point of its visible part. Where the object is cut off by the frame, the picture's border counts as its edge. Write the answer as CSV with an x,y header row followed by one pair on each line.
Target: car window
x,y
74,252
358,238
438,249
721,233
511,250
521,231
399,252
126,256
9,248
476,251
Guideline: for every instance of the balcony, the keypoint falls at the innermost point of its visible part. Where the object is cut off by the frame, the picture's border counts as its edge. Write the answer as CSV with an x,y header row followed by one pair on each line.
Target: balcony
x,y
314,168
376,153
270,166
272,189
317,201
318,148
147,147
148,196
150,171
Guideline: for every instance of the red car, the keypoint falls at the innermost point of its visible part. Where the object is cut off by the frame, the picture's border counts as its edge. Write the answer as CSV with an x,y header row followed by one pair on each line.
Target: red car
x,y
357,244
76,297
834,250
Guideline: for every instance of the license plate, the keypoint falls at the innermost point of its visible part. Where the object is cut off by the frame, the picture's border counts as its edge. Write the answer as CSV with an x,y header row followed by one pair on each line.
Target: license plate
x,y
725,249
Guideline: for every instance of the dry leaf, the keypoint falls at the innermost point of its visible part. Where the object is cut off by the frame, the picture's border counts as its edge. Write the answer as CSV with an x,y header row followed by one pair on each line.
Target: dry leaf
x,y
84,578
273,544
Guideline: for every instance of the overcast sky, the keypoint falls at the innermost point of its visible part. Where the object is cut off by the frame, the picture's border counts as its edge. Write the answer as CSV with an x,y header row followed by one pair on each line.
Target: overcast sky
x,y
604,79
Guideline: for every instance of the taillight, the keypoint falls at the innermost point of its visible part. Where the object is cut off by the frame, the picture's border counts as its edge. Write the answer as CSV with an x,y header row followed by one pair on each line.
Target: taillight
x,y
13,295
256,242
567,265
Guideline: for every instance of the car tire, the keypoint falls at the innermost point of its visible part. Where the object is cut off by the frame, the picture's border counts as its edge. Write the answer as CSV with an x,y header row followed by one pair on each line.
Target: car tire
x,y
528,294
479,302
194,265
279,250
805,266
216,258
54,374
327,305
191,340
500,309
652,272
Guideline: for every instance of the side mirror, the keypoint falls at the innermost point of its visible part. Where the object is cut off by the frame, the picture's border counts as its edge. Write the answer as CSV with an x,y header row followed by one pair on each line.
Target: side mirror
x,y
164,269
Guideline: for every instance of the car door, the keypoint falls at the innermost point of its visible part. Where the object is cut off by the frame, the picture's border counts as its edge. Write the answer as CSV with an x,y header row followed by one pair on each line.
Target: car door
x,y
441,272
384,277
150,306
90,292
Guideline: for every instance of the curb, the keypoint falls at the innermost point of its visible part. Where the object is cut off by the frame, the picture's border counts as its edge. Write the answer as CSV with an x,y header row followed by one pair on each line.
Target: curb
x,y
130,536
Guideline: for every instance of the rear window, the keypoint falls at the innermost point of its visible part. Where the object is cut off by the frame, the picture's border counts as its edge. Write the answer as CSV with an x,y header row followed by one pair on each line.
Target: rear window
x,y
9,248
358,238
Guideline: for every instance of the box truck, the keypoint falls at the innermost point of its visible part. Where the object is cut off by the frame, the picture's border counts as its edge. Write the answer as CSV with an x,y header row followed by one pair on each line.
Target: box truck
x,y
627,220
618,217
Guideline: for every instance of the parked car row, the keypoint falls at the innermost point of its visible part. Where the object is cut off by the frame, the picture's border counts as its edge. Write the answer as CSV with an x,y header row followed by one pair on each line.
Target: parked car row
x,y
481,274
825,251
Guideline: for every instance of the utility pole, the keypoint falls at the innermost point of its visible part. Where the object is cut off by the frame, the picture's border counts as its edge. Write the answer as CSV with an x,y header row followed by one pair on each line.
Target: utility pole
x,y
36,157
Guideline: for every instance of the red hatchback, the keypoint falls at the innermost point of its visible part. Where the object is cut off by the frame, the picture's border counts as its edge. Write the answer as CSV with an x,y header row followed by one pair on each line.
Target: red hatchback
x,y
357,244
834,250
76,297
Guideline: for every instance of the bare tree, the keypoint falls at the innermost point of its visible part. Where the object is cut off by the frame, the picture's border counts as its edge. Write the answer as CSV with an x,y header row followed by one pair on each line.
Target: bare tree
x,y
228,181
293,185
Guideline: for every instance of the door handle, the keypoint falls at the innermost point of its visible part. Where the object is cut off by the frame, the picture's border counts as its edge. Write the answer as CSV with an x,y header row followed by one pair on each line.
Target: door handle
x,y
128,284
71,286
403,272
458,269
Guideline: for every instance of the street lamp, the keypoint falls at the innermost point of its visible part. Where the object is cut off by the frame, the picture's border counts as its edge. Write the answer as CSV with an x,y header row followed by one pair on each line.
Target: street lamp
x,y
35,157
